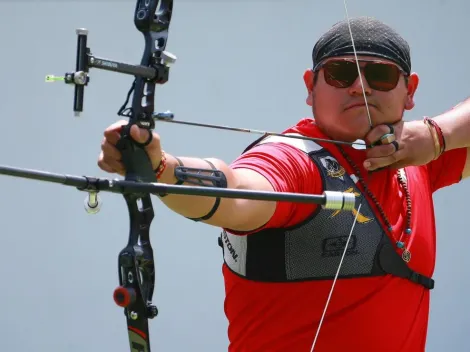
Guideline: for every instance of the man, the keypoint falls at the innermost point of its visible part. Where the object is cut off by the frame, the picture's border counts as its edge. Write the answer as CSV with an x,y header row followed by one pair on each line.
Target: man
x,y
281,258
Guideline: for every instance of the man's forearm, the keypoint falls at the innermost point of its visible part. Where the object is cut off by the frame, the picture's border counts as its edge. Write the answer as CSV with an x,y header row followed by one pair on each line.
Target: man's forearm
x,y
232,213
192,206
455,125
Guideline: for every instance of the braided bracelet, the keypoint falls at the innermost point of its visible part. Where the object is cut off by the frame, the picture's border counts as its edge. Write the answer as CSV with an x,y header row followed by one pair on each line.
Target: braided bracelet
x,y
437,135
161,166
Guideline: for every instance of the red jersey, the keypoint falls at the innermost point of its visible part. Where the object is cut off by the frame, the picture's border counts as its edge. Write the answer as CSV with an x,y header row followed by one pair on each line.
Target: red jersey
x,y
384,313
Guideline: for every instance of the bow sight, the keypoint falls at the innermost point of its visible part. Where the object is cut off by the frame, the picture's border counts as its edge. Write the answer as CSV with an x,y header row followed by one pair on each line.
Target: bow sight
x,y
154,68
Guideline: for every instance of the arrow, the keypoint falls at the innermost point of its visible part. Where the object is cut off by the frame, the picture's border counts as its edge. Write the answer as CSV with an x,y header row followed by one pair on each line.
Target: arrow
x,y
168,116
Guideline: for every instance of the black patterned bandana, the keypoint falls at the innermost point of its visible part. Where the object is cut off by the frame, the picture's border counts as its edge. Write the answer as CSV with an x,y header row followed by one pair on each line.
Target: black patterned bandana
x,y
371,37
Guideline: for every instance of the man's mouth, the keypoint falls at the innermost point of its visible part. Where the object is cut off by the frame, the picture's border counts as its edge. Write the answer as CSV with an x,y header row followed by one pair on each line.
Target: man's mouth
x,y
358,105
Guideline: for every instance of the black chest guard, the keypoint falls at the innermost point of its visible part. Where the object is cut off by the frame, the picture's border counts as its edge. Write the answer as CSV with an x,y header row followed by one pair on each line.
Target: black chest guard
x,y
312,250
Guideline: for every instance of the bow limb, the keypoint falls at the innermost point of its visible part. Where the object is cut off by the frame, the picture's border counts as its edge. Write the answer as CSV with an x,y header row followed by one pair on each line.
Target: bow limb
x,y
360,204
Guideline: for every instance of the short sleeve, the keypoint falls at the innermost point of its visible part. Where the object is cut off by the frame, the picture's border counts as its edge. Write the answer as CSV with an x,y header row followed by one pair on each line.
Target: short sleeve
x,y
447,169
288,169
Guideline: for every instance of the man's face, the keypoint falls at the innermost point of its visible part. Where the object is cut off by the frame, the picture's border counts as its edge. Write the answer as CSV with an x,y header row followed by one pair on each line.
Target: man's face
x,y
341,112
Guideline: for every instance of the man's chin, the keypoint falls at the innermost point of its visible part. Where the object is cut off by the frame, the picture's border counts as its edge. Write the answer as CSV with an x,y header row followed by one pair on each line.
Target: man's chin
x,y
346,132
359,131
347,137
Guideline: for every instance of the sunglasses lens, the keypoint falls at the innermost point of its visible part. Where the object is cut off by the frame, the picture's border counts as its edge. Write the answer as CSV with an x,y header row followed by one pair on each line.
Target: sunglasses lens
x,y
380,76
340,74
383,77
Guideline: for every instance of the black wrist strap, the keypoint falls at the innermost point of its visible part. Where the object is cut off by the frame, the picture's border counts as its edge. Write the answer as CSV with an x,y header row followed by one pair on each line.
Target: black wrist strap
x,y
180,163
179,182
216,204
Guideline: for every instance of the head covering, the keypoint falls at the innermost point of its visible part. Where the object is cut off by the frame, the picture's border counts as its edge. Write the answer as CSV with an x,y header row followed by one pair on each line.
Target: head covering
x,y
371,37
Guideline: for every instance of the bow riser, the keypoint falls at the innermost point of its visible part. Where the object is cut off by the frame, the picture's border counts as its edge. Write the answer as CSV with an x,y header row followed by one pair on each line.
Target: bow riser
x,y
136,261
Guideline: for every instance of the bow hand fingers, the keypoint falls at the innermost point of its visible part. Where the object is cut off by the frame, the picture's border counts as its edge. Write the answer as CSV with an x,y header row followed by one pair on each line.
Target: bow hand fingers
x,y
110,158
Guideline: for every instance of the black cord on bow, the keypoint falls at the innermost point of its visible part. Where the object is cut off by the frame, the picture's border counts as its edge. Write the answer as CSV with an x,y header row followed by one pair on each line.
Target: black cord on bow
x,y
124,110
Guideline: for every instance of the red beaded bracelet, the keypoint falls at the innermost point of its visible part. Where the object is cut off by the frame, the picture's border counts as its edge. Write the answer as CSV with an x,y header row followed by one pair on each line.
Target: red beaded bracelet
x,y
162,166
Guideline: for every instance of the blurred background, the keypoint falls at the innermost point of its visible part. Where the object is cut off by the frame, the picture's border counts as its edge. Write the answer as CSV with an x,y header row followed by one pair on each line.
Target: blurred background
x,y
240,63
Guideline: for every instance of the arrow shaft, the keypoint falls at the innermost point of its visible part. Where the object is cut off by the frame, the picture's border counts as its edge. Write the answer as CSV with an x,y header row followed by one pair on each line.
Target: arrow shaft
x,y
158,117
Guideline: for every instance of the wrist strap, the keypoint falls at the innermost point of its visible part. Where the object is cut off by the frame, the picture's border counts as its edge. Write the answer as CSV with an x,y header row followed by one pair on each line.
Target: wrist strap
x,y
214,207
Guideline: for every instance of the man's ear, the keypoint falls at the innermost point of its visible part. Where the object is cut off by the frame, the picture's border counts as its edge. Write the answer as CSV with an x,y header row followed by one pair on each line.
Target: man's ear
x,y
308,80
413,82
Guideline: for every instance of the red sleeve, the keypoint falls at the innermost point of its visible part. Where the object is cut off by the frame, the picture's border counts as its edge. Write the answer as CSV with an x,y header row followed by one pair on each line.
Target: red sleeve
x,y
448,169
288,170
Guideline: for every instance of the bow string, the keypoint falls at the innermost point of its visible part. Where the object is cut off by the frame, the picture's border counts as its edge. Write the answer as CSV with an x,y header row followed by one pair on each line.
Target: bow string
x,y
335,279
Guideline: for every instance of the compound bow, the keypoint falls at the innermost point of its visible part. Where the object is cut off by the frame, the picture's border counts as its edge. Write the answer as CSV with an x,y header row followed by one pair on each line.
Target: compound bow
x,y
136,261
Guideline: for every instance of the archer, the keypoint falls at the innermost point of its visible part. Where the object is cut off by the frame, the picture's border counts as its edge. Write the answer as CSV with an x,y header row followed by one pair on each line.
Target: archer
x,y
281,258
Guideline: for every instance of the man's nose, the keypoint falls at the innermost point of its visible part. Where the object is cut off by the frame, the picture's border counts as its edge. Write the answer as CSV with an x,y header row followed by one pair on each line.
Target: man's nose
x,y
356,88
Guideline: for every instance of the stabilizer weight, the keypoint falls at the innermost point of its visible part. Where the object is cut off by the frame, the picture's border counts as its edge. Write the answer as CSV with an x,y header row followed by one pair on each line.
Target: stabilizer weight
x,y
339,200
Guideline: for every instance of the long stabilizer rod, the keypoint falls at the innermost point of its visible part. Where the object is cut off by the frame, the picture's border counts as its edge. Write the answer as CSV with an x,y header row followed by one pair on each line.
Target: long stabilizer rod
x,y
93,185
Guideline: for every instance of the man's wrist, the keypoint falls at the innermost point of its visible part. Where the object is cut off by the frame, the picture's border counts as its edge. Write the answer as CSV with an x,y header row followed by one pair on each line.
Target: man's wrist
x,y
455,125
161,166
165,172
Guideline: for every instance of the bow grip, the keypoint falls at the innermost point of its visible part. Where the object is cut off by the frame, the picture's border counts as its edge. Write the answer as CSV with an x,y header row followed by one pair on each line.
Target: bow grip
x,y
134,157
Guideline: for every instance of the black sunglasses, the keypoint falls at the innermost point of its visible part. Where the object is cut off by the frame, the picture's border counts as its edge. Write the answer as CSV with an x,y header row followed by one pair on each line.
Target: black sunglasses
x,y
342,73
